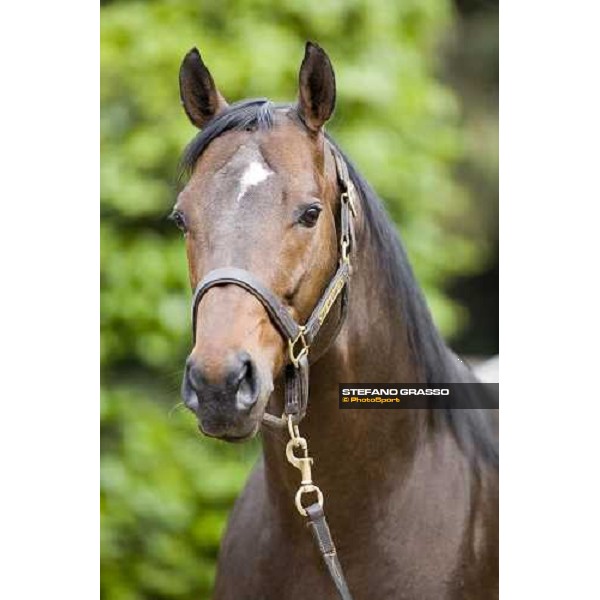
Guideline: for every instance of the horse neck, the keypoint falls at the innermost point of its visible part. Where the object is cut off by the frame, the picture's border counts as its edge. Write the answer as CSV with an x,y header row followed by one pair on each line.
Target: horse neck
x,y
353,449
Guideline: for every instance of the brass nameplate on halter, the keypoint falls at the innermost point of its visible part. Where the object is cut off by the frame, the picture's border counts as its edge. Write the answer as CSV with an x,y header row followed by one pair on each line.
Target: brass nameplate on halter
x,y
335,292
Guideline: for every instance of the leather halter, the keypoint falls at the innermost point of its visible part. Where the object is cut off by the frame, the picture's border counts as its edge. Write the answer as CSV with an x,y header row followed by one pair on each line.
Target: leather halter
x,y
299,340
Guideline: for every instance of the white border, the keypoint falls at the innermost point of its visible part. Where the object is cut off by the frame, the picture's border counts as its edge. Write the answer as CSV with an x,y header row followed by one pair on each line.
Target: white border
x,y
49,440
550,422
549,224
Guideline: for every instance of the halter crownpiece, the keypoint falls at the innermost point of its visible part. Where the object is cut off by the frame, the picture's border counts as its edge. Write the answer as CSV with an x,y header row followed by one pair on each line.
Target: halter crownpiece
x,y
299,340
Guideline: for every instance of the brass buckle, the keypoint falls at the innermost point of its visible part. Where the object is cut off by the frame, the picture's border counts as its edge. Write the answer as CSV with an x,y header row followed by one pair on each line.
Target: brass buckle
x,y
345,248
346,197
295,358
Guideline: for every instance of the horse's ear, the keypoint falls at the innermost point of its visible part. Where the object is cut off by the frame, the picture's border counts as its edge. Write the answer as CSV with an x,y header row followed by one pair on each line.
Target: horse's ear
x,y
317,87
199,96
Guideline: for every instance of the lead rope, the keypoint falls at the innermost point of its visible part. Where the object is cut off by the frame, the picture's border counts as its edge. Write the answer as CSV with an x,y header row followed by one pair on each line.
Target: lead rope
x,y
314,512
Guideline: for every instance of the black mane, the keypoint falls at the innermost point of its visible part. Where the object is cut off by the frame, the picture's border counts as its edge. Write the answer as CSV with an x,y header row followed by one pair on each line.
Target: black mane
x,y
473,427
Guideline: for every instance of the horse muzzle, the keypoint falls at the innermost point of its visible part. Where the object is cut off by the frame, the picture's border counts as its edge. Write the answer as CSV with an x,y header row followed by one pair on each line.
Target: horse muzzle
x,y
230,406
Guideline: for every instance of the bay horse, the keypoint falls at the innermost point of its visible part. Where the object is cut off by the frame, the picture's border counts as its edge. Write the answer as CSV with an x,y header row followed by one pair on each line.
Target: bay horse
x,y
411,495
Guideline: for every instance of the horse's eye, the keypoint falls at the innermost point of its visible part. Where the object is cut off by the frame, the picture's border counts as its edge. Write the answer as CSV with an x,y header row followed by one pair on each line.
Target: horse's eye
x,y
310,216
179,220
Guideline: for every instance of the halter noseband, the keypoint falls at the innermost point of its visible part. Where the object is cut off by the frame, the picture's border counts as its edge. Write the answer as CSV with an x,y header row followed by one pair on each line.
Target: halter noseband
x,y
299,338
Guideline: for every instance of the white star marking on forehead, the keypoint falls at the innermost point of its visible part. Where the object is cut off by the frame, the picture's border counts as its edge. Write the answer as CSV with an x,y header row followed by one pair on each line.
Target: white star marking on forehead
x,y
255,173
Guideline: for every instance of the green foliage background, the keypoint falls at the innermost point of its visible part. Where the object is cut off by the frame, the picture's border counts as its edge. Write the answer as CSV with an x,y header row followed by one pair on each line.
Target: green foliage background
x,y
165,491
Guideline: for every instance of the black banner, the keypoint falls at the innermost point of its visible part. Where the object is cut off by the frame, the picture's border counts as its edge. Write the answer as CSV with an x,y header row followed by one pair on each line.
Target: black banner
x,y
418,395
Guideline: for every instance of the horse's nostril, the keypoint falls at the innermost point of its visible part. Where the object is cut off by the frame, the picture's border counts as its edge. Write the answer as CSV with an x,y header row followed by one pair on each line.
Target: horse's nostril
x,y
193,375
247,392
244,373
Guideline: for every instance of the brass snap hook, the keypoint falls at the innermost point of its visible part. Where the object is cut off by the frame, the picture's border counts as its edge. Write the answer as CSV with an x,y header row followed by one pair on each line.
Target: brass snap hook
x,y
302,463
